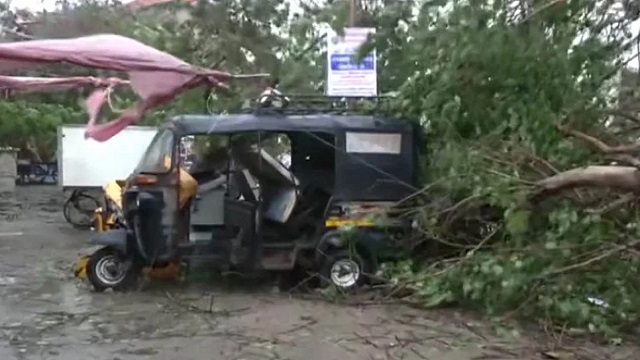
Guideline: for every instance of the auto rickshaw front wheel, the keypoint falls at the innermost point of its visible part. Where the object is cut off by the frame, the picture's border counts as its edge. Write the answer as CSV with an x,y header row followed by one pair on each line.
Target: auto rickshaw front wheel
x,y
109,268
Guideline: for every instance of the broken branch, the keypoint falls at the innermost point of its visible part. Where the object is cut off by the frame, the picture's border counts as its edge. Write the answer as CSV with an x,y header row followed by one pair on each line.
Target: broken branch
x,y
626,178
599,144
626,159
624,114
615,204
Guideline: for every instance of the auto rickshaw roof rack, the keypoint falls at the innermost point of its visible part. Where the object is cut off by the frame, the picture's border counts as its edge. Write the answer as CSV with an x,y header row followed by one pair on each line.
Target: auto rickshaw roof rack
x,y
272,102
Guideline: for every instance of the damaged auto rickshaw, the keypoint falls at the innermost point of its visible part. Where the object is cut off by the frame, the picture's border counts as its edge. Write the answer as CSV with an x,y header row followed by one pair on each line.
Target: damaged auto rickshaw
x,y
252,213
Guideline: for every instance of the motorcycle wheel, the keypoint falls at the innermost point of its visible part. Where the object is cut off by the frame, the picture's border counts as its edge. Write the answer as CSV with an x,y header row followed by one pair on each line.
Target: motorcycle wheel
x,y
79,209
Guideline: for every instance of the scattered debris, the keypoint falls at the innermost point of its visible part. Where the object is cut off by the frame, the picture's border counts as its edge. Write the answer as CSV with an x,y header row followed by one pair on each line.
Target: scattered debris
x,y
598,302
558,355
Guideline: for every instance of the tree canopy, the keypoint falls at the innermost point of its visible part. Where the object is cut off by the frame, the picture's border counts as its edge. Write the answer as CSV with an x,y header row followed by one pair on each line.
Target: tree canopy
x,y
530,161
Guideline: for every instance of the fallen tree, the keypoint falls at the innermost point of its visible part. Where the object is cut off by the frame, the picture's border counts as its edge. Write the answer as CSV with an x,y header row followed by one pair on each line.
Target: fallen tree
x,y
536,213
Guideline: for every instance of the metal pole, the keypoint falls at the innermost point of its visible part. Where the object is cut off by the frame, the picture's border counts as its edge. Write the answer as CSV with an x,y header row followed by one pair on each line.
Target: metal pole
x,y
352,23
352,13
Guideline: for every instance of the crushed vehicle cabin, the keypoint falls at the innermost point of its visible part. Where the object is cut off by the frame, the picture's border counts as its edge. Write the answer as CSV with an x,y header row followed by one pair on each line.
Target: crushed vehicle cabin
x,y
239,207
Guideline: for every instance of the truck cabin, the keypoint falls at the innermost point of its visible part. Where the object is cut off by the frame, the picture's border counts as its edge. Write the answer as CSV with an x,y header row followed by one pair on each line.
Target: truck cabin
x,y
333,159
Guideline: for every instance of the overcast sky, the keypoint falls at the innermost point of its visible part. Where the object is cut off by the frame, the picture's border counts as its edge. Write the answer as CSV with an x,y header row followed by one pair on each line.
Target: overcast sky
x,y
34,5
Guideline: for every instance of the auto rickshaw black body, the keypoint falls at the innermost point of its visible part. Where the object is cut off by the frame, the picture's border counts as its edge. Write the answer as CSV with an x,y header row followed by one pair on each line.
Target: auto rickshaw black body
x,y
254,213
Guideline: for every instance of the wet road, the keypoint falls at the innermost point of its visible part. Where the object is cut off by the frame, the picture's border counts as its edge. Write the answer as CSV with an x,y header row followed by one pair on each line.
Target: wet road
x,y
46,314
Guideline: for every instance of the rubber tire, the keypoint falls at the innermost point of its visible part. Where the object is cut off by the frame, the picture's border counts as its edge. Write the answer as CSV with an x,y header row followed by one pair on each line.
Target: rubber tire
x,y
334,255
130,280
71,202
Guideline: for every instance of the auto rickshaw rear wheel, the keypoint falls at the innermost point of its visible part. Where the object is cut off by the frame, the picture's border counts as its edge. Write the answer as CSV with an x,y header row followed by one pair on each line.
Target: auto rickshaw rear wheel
x,y
344,269
109,268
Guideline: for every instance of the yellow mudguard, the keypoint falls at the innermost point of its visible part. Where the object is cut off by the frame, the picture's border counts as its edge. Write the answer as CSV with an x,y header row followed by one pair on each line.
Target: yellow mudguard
x,y
81,267
113,191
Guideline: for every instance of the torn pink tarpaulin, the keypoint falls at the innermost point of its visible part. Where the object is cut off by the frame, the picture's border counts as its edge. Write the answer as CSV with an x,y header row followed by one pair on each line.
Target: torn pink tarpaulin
x,y
155,76
25,84
93,104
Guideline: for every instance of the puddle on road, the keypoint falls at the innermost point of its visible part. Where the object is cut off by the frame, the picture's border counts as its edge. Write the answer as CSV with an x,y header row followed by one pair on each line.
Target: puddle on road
x,y
10,209
7,280
65,297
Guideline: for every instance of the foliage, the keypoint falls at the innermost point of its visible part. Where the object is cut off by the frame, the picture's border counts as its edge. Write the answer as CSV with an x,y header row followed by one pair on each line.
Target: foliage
x,y
492,91
491,82
31,126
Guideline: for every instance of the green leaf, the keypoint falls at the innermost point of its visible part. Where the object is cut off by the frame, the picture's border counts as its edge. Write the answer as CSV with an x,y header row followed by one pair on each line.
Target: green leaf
x,y
518,221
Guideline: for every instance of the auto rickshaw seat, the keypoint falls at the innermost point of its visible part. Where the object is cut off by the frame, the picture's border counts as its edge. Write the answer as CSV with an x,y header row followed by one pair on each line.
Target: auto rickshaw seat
x,y
207,207
212,184
280,187
280,204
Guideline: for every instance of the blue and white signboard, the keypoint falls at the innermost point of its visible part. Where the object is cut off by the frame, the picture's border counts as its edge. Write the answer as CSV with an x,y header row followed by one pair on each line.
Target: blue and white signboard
x,y
346,77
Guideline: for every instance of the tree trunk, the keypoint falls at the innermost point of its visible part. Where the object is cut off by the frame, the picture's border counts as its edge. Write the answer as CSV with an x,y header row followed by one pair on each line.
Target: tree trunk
x,y
625,178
